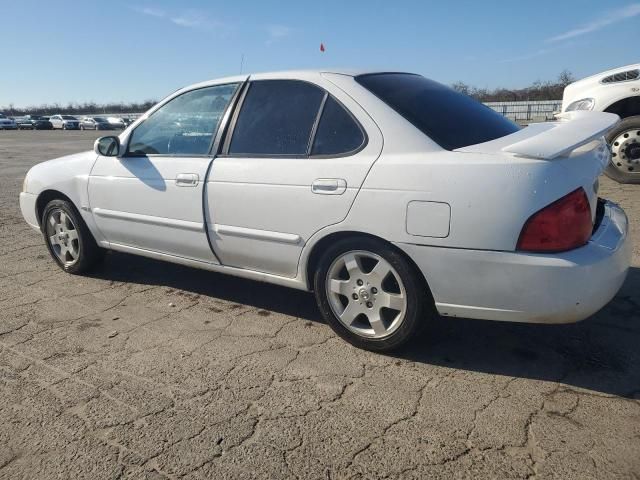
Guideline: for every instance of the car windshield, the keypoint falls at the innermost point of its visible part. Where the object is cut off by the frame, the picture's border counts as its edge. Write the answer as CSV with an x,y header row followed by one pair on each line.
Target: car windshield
x,y
2,115
451,119
68,117
100,119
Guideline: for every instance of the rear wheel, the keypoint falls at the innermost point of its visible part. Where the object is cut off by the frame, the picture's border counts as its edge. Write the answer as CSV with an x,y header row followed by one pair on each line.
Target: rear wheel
x,y
625,151
371,295
68,238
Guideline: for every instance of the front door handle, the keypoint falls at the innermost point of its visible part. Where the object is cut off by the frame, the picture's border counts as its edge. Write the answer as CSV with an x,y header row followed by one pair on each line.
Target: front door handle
x,y
329,186
187,179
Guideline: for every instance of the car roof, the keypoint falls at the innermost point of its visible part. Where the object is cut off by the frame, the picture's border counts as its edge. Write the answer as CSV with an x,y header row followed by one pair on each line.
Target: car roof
x,y
284,74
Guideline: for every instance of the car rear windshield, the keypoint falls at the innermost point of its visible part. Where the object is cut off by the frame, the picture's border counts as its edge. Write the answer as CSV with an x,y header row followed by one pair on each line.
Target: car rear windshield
x,y
69,117
451,119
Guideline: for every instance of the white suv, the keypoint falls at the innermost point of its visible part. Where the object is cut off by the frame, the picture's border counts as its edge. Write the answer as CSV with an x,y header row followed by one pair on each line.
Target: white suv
x,y
65,122
615,91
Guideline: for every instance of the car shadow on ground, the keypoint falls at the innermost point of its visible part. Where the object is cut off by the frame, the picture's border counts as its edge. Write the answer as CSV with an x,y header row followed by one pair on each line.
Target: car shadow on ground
x,y
601,354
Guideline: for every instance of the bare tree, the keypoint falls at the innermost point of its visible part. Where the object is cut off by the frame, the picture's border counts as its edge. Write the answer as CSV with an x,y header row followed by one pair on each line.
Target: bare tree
x,y
539,90
565,78
461,87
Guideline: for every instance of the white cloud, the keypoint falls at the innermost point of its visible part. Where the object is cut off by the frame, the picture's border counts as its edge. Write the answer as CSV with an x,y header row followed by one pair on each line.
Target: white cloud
x,y
542,51
192,19
186,18
278,31
607,19
152,12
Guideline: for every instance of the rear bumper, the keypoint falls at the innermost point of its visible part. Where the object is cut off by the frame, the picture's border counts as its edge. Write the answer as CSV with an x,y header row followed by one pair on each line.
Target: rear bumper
x,y
528,287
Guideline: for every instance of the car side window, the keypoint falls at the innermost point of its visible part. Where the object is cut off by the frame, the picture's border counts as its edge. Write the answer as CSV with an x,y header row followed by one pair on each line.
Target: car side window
x,y
338,132
183,126
276,118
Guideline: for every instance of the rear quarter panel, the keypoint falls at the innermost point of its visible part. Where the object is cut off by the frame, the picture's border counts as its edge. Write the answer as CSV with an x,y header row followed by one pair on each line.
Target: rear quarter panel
x,y
490,196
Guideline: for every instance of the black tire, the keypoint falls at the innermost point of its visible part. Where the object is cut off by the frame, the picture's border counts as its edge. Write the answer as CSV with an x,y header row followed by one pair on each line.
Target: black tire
x,y
613,171
89,253
419,309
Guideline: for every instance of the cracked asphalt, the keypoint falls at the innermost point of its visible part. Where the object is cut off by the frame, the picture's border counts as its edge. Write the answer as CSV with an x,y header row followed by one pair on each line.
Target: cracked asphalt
x,y
152,370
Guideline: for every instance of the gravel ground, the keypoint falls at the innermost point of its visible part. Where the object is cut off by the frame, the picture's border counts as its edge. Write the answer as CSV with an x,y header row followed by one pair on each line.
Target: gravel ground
x,y
152,370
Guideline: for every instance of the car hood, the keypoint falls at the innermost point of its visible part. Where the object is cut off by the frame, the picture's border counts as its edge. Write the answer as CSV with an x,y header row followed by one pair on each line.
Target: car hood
x,y
592,87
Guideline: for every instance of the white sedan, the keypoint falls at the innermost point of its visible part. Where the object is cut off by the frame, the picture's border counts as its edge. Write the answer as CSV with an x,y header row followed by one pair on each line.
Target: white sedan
x,y
390,196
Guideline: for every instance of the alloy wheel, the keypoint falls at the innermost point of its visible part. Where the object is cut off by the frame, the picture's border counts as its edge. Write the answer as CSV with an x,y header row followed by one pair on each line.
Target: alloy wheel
x,y
366,294
62,236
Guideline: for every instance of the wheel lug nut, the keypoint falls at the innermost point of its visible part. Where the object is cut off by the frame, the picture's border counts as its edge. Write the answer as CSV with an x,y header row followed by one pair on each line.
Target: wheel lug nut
x,y
359,282
369,304
355,296
374,290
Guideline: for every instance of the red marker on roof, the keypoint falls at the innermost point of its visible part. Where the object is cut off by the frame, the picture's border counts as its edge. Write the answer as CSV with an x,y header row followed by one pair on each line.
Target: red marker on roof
x,y
322,47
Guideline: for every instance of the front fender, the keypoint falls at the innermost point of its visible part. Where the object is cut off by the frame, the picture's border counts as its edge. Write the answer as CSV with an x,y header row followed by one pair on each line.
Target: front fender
x,y
68,175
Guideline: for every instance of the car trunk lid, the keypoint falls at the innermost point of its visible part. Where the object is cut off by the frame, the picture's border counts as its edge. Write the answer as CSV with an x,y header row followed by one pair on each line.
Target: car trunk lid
x,y
576,137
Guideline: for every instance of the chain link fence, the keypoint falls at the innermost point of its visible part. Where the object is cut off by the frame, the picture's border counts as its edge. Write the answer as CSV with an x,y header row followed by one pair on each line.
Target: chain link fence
x,y
527,112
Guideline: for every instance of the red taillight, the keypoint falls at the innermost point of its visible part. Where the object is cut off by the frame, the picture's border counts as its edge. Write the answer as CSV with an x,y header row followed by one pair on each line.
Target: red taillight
x,y
563,225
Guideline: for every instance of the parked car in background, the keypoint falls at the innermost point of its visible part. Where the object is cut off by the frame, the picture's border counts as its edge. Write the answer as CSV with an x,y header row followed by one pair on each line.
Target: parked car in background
x,y
65,122
127,121
615,91
41,122
96,123
390,196
117,122
7,123
24,123
34,122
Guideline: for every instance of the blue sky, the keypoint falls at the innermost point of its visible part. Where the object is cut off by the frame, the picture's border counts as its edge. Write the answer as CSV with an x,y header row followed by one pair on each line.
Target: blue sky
x,y
61,51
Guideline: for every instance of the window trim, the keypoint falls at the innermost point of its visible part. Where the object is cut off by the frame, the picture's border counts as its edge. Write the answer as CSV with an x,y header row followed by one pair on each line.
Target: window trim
x,y
214,134
224,153
316,123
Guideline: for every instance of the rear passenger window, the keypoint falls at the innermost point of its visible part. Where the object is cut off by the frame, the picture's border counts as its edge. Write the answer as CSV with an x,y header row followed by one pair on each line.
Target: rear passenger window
x,y
338,132
276,118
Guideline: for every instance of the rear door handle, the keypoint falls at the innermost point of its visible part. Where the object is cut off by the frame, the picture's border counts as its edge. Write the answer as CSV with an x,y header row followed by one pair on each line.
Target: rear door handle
x,y
187,179
329,186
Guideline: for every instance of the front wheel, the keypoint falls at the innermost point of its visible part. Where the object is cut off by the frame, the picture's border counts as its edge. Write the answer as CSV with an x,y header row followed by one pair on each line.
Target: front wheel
x,y
371,295
625,151
68,238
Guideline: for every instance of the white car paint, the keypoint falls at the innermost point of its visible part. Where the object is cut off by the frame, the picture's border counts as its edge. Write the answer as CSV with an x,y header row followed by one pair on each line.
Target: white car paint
x,y
604,94
116,122
456,214
59,122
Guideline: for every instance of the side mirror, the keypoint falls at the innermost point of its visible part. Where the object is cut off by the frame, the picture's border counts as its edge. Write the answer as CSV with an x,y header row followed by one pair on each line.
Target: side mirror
x,y
107,146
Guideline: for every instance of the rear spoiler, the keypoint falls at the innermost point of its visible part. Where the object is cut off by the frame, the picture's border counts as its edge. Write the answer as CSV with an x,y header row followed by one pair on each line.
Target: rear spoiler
x,y
572,131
